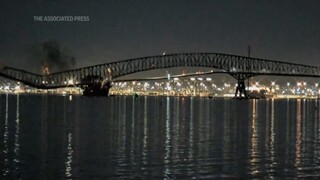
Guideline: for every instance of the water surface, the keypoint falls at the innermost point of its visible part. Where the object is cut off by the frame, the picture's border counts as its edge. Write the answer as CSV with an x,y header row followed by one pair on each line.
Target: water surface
x,y
54,137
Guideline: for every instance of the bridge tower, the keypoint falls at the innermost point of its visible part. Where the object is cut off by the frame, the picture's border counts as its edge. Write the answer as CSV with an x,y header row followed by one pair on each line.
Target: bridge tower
x,y
241,86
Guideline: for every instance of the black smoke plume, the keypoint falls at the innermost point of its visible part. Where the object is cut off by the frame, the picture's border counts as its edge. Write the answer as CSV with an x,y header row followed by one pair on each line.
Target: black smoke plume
x,y
48,57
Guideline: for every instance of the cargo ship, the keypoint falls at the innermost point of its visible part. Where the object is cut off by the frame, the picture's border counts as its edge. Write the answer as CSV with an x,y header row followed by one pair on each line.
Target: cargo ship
x,y
95,86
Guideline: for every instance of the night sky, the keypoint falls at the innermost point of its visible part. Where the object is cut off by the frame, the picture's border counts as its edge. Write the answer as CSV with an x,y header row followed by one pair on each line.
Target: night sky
x,y
123,29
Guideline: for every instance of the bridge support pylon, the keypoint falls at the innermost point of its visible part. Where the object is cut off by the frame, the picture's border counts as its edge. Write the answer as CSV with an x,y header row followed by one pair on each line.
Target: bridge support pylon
x,y
241,92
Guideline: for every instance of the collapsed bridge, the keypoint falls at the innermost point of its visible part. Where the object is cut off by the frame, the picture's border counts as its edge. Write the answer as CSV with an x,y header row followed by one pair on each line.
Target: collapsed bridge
x,y
101,75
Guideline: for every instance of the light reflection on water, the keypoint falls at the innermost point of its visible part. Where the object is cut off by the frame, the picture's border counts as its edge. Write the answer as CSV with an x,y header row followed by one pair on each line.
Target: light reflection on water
x,y
69,156
16,140
53,137
167,140
5,151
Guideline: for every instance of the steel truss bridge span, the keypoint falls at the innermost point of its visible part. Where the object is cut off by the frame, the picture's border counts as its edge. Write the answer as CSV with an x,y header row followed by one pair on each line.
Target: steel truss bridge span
x,y
240,67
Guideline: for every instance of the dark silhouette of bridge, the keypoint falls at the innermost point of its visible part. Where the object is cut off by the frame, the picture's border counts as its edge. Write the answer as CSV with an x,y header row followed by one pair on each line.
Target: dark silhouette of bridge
x,y
239,67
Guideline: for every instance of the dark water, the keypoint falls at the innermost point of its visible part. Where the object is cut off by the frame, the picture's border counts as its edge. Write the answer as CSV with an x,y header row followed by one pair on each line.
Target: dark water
x,y
51,137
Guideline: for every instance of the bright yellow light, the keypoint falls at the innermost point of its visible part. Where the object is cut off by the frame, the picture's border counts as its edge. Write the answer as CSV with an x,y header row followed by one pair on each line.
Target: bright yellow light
x,y
70,82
